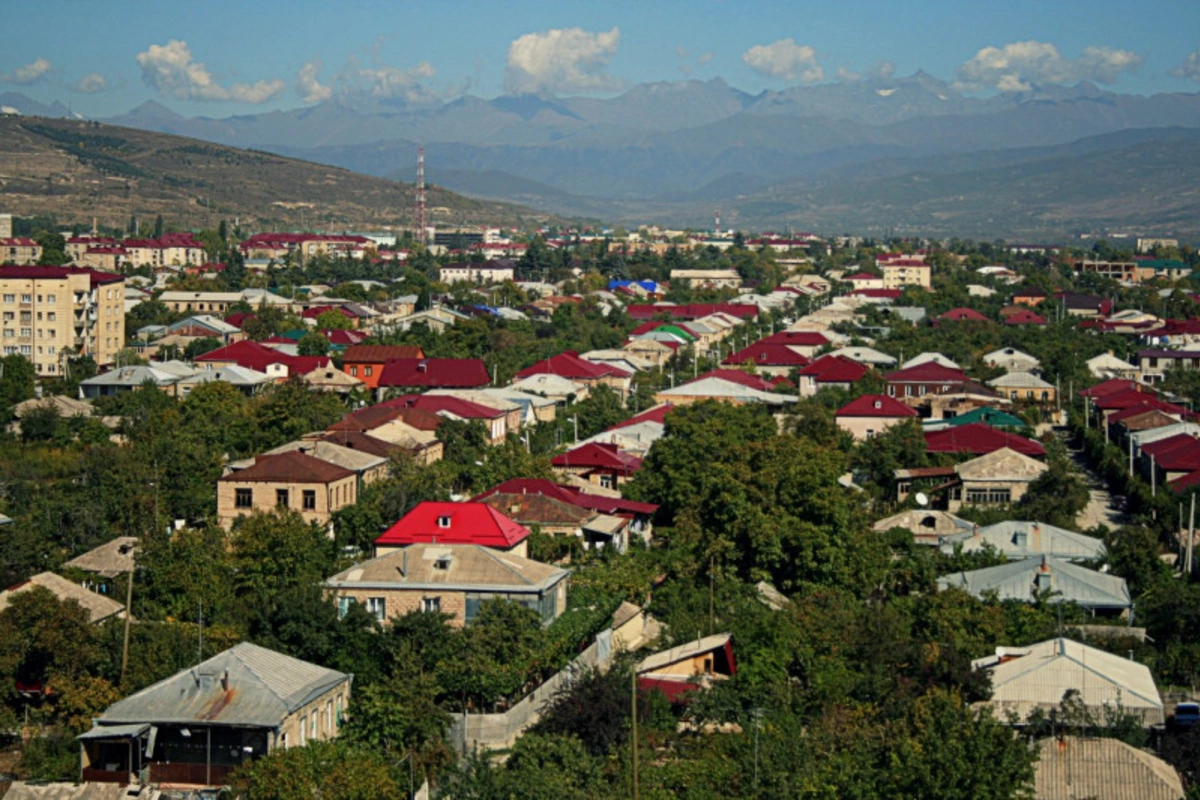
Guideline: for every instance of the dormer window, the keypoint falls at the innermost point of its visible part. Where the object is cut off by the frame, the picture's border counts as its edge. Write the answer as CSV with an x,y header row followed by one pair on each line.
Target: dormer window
x,y
442,562
443,522
878,404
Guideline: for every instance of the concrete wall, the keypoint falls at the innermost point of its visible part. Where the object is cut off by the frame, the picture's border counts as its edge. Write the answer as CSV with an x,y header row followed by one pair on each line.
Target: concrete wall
x,y
398,602
858,426
330,497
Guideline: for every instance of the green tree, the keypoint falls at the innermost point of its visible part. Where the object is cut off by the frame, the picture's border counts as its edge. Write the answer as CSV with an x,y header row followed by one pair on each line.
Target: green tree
x,y
331,770
313,344
16,382
333,320
400,715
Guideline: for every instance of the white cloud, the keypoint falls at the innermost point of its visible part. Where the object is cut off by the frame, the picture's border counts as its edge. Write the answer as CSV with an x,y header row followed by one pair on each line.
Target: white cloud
x,y
562,60
882,71
785,59
847,76
1190,68
385,81
310,89
1020,66
32,72
704,58
169,69
91,83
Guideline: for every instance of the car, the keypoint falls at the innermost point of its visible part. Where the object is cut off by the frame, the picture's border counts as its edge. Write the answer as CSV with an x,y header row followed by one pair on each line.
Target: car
x,y
1185,716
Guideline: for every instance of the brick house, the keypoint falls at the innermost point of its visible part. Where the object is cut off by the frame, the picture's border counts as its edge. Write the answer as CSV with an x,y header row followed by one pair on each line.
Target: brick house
x,y
929,378
872,414
455,523
365,361
454,579
293,480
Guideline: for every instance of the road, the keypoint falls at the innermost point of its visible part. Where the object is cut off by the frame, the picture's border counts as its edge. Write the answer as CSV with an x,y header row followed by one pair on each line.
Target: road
x,y
1099,509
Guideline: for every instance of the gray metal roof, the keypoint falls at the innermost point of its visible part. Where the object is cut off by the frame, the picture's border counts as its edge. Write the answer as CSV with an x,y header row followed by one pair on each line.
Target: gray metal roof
x,y
1020,539
1022,580
247,686
1074,767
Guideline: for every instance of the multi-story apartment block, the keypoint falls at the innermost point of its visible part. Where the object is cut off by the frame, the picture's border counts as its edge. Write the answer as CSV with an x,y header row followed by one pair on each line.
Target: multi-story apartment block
x,y
48,314
20,250
170,249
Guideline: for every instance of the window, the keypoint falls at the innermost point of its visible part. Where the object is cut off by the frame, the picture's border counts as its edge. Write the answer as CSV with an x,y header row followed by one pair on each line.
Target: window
x,y
870,433
908,391
328,716
443,522
26,298
9,316
10,298
310,500
281,498
52,333
50,298
26,333
891,391
339,711
243,498
354,371
431,605
368,371
607,482
312,726
344,604
989,496
378,607
303,728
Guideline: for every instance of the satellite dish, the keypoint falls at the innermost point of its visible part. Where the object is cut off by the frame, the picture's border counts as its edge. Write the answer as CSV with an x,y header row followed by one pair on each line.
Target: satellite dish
x,y
922,499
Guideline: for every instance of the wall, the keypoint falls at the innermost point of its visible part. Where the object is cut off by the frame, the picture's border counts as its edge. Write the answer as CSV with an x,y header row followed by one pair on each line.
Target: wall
x,y
330,498
473,732
858,426
399,602
325,707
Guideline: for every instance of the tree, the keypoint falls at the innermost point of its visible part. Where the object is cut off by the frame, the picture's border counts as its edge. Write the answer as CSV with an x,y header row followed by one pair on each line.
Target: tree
x,y
158,226
16,382
313,344
333,320
331,770
400,715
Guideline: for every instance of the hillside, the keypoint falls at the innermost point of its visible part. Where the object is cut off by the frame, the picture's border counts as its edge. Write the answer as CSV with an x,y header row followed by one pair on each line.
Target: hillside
x,y
79,170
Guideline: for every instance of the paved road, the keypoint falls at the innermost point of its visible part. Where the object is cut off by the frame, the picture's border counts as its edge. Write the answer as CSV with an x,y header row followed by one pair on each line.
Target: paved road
x,y
1099,509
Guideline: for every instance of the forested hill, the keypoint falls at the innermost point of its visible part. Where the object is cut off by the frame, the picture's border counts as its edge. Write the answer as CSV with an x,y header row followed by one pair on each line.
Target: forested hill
x,y
79,169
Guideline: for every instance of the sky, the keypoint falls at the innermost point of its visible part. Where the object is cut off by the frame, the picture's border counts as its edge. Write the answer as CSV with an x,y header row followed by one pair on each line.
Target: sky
x,y
219,58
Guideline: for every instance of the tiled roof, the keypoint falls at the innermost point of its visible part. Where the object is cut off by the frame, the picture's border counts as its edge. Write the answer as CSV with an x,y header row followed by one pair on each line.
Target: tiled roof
x,y
454,523
443,373
290,467
537,509
875,405
379,353
979,439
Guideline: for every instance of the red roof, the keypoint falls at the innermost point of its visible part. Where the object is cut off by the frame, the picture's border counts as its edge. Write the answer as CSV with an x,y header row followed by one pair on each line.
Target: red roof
x,y
256,356
1110,386
341,337
1024,317
833,368
862,276
767,354
929,372
963,314
1189,481
380,353
1124,398
883,294
58,273
875,405
569,365
290,467
569,494
594,455
441,373
797,338
646,327
1152,404
979,439
1169,445
437,403
657,414
454,523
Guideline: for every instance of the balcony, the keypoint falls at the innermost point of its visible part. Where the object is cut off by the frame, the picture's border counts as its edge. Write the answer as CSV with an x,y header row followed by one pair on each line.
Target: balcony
x,y
94,775
190,774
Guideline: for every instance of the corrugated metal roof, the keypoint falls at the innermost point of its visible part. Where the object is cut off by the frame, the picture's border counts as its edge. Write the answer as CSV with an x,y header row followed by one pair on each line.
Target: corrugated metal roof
x,y
263,687
1019,539
683,651
98,606
1022,580
1038,676
470,567
1074,768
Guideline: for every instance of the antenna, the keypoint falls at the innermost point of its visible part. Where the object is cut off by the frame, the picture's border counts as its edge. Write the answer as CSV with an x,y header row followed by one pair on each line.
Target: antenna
x,y
421,220
922,499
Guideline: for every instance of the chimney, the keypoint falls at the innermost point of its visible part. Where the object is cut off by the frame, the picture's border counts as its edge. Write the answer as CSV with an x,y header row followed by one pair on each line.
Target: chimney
x,y
225,680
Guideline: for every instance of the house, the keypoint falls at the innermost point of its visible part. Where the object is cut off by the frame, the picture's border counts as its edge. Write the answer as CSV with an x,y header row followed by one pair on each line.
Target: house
x,y
962,400
902,272
979,439
601,464
1001,477
453,579
721,389
833,371
421,446
455,523
1153,364
196,727
1026,387
125,379
330,379
927,526
1106,365
98,607
769,358
707,278
1072,767
569,365
261,358
986,415
866,355
19,251
431,373
366,361
1030,296
872,414
929,378
1023,318
1087,306
1019,539
558,518
369,467
485,272
1054,579
1033,678
930,358
1010,359
640,515
494,420
247,381
863,280
293,480
961,315
688,668
554,387
109,559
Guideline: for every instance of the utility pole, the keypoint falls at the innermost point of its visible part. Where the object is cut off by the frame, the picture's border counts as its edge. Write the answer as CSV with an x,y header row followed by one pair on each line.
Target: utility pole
x,y
129,619
711,598
1191,536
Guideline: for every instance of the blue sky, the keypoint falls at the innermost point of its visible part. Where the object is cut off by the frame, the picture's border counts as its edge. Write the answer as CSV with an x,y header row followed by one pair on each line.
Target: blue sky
x,y
220,58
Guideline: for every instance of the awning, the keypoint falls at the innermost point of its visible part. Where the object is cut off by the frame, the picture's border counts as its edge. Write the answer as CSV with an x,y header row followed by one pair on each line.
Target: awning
x,y
115,731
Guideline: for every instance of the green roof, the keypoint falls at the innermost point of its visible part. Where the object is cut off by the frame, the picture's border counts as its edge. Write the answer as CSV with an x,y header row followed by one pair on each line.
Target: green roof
x,y
989,416
676,330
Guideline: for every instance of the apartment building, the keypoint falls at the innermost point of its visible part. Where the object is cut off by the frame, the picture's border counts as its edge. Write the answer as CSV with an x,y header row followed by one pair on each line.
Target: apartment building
x,y
20,250
50,313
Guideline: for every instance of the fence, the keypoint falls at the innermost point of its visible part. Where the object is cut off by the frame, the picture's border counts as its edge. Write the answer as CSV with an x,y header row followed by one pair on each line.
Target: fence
x,y
471,732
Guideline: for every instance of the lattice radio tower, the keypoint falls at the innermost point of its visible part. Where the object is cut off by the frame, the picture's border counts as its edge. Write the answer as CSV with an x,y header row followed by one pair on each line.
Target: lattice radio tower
x,y
421,220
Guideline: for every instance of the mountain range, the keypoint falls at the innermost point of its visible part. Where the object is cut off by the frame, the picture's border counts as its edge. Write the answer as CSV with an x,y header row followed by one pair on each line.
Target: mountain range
x,y
673,152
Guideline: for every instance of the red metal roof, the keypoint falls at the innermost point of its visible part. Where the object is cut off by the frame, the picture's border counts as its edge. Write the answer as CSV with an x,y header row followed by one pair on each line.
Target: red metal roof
x,y
569,365
436,403
798,338
454,523
738,377
1111,386
767,354
58,273
657,414
979,439
1124,398
929,372
594,455
256,356
833,368
646,311
1151,403
875,405
1024,317
889,294
290,467
1189,481
569,494
963,314
862,276
440,373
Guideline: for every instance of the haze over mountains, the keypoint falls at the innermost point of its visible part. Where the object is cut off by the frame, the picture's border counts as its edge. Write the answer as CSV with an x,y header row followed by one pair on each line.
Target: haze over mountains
x,y
904,154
